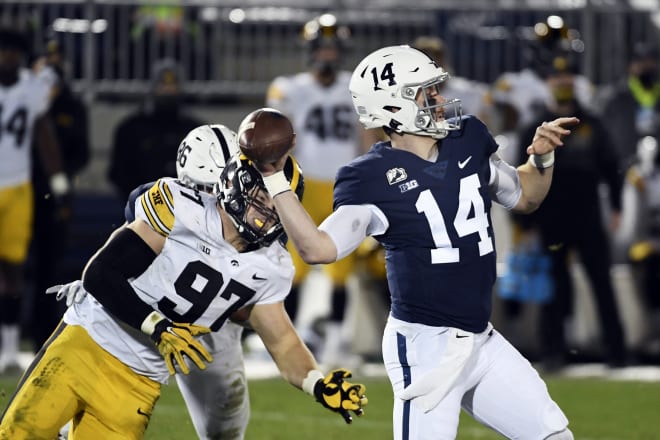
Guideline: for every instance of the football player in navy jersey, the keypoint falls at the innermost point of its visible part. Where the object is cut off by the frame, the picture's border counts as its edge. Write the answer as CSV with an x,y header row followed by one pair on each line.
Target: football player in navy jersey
x,y
425,195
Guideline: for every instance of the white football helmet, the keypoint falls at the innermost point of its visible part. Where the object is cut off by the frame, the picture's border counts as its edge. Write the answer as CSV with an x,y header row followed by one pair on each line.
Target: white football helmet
x,y
202,156
385,88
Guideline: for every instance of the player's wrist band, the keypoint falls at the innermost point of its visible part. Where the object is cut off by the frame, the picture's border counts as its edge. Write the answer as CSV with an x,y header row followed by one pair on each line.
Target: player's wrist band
x,y
309,382
149,324
542,161
276,183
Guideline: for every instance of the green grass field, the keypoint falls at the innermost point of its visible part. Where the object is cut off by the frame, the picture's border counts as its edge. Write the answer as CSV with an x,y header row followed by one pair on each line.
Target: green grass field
x,y
598,410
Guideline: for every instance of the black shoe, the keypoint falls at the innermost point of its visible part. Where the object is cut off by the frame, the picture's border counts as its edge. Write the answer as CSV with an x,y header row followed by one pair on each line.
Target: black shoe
x,y
12,369
621,360
553,364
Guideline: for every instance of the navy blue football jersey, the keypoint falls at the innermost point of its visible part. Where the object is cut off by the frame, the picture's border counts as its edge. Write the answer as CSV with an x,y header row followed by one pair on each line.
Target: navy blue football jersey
x,y
440,249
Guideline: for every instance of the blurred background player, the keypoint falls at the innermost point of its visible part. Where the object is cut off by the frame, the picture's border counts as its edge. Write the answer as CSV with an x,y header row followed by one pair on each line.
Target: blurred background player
x,y
25,99
527,91
52,217
145,143
641,233
632,105
570,218
328,136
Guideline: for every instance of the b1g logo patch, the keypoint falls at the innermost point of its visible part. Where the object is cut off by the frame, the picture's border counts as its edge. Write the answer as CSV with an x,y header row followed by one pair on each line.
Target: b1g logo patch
x,y
396,175
407,186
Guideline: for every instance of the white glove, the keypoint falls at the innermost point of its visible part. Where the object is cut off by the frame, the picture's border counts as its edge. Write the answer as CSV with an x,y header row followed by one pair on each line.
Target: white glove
x,y
74,292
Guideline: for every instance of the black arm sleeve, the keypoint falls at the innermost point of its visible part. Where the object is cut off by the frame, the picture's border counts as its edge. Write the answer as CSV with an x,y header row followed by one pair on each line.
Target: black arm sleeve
x,y
106,277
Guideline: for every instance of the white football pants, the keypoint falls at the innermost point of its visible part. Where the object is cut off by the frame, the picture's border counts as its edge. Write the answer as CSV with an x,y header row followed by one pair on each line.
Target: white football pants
x,y
217,398
436,371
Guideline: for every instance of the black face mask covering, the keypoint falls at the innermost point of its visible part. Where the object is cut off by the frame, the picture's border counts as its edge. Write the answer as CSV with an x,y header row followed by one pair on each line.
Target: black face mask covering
x,y
326,68
167,104
648,78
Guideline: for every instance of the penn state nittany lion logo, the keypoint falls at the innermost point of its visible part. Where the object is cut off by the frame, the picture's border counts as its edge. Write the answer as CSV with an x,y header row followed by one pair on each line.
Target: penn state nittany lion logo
x,y
396,175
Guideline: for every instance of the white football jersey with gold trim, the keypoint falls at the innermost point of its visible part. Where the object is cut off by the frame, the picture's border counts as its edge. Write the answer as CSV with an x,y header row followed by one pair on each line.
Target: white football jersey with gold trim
x,y
197,278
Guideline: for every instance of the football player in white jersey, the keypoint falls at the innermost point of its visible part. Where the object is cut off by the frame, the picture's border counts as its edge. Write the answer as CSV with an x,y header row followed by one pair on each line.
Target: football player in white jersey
x,y
328,136
181,269
25,98
217,398
426,196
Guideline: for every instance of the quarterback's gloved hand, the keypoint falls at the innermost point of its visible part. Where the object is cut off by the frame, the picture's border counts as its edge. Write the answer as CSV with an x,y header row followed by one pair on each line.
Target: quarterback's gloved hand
x,y
338,395
74,292
174,340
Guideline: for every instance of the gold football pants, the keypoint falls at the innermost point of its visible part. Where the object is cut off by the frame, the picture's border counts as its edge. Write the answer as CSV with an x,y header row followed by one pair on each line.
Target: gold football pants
x,y
73,378
16,212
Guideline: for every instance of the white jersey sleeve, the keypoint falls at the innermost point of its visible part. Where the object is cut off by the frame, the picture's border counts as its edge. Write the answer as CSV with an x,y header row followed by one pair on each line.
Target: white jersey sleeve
x,y
349,225
504,182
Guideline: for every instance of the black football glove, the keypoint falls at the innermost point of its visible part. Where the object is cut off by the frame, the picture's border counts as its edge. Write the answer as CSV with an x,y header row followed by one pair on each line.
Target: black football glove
x,y
338,395
174,340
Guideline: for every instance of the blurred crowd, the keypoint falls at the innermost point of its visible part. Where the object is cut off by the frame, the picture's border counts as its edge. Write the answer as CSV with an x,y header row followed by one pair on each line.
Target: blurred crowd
x,y
603,208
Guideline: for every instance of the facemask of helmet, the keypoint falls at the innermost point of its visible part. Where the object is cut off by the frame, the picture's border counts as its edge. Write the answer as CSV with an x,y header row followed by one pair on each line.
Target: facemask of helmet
x,y
239,189
397,87
202,156
325,67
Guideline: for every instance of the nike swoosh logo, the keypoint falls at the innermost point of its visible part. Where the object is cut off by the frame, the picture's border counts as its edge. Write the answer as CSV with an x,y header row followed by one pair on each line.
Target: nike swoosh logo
x,y
461,165
462,336
142,413
258,278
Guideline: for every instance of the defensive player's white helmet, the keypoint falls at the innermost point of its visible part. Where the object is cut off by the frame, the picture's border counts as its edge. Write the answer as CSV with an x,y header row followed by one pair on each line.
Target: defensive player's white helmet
x,y
385,87
202,156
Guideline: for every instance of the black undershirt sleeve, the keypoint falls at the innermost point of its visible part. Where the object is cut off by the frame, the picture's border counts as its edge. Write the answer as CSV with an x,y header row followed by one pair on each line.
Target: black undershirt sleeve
x,y
106,277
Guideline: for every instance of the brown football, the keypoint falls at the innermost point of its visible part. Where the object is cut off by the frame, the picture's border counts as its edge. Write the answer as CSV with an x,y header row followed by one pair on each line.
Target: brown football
x,y
265,135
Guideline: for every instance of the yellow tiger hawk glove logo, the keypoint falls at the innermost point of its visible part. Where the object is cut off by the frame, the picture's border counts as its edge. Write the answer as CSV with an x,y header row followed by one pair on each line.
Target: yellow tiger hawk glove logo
x,y
339,395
